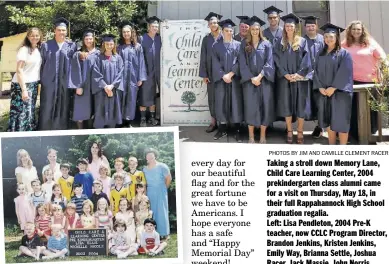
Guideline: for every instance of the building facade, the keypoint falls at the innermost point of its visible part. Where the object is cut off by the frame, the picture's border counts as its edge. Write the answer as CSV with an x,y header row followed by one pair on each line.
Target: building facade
x,y
339,12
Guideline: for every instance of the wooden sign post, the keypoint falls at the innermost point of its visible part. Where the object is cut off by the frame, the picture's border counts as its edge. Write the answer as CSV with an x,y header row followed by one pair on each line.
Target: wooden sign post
x,y
88,242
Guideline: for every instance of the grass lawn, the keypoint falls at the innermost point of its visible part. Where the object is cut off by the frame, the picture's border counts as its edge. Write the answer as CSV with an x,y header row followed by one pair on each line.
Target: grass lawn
x,y
13,238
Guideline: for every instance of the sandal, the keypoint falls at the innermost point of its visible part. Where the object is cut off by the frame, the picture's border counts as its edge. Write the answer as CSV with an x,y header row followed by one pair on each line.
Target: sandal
x,y
300,140
262,141
251,140
289,139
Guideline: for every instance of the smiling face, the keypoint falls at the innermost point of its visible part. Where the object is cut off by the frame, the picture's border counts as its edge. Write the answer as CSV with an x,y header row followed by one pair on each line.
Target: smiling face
x,y
89,42
120,228
119,166
57,191
78,191
52,157
254,31
243,29
123,205
126,32
119,181
25,158
356,31
109,45
132,164
21,189
143,206
213,25
102,205
150,157
36,186
58,212
70,211
86,208
273,19
82,166
34,37
41,211
330,39
140,190
94,149
60,33
310,29
153,28
49,175
290,28
29,229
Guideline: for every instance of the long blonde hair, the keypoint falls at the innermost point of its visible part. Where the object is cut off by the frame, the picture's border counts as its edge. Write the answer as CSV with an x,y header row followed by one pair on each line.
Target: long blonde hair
x,y
249,40
20,154
296,39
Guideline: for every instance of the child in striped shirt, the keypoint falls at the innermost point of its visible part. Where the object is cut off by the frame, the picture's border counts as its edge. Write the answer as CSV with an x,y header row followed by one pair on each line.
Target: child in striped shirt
x,y
42,221
57,244
78,198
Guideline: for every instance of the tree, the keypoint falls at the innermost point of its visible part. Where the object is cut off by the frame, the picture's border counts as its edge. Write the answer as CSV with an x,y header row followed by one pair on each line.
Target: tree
x,y
104,16
379,96
188,97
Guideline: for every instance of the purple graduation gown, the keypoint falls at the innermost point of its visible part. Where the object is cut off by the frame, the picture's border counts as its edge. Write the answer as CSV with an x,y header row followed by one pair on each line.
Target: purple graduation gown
x,y
258,100
107,71
334,70
134,71
81,77
292,97
315,46
205,70
228,96
269,36
152,54
55,95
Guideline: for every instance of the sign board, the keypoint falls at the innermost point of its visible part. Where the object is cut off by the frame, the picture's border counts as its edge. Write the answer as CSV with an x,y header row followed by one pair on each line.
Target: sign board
x,y
88,242
184,99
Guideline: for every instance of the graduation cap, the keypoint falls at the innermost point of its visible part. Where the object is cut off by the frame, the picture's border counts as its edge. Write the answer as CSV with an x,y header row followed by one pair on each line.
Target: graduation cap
x,y
227,23
243,19
330,28
310,19
61,22
152,20
272,10
88,32
256,20
212,15
291,18
108,37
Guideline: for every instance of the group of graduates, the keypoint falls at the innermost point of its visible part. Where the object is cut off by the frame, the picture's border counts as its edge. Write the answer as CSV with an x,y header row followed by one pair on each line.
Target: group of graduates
x,y
86,84
261,76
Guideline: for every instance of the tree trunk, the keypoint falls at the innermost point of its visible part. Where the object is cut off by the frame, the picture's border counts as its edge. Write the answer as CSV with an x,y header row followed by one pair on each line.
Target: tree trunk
x,y
189,107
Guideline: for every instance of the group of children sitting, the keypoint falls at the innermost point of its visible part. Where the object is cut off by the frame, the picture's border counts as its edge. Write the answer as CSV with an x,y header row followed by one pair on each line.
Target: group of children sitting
x,y
118,204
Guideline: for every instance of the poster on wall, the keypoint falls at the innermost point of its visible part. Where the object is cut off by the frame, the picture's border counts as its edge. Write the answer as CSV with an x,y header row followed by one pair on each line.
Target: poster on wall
x,y
184,99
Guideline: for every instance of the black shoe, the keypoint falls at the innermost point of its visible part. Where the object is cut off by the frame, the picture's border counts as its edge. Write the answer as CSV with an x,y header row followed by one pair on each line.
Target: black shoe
x,y
143,123
237,137
220,135
153,121
211,128
317,132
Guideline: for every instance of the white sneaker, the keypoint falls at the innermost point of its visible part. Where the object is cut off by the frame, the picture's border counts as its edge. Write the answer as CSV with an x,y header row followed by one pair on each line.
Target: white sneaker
x,y
122,256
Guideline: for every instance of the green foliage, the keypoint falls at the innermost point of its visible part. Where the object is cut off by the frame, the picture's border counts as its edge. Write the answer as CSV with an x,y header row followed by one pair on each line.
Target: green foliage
x,y
378,96
104,16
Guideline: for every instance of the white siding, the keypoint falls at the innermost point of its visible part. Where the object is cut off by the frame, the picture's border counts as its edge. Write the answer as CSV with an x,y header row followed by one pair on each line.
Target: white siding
x,y
372,13
177,10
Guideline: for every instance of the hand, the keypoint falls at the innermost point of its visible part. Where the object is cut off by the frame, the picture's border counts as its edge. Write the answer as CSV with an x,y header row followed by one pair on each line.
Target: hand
x,y
206,80
323,91
108,91
25,96
139,83
330,91
288,77
227,78
79,91
256,81
83,55
298,77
